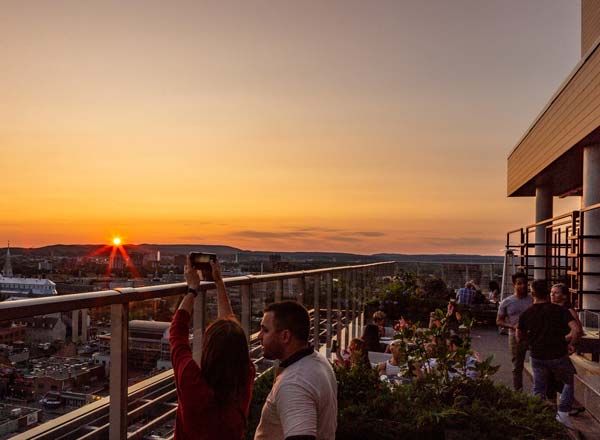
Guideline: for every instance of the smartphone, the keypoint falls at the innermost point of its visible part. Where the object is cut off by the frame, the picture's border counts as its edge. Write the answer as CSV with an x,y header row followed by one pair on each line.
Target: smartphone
x,y
201,261
334,345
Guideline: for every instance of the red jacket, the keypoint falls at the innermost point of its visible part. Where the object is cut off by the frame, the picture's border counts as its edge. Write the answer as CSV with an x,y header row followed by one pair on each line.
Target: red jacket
x,y
198,416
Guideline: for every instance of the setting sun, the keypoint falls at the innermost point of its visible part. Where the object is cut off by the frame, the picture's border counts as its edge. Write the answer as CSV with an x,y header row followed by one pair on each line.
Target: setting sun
x,y
116,241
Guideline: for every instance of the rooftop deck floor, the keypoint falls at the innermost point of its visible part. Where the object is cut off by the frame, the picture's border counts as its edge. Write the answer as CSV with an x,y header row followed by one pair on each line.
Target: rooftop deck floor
x,y
487,341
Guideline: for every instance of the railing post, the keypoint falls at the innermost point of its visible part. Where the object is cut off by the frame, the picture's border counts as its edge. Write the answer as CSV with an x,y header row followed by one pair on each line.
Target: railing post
x,y
278,290
363,280
84,325
345,286
301,284
75,326
353,302
317,314
338,330
119,330
329,287
246,298
199,321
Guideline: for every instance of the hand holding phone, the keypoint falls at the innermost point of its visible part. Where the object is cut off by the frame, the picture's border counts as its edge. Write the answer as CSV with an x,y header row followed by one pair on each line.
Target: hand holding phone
x,y
204,263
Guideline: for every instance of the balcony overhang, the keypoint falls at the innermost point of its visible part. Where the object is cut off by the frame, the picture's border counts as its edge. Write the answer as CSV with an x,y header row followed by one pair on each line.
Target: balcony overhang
x,y
550,152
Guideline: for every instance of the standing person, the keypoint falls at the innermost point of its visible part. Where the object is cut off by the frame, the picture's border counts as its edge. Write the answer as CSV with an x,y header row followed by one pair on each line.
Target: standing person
x,y
559,294
550,331
302,404
214,397
508,317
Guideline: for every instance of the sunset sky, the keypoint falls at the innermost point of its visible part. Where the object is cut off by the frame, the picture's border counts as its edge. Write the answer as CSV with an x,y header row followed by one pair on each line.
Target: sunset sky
x,y
357,126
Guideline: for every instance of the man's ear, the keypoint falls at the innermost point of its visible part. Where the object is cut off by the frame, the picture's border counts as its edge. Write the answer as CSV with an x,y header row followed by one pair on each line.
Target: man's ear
x,y
286,336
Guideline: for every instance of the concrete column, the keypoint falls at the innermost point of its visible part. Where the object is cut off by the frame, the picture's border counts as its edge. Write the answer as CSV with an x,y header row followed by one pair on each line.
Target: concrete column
x,y
591,225
84,325
543,211
75,326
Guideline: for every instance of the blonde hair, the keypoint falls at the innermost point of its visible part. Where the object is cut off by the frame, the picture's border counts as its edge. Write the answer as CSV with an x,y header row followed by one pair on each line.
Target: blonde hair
x,y
379,314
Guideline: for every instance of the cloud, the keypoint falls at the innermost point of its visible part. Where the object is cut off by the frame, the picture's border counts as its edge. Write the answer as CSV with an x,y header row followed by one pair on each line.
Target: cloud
x,y
369,233
317,229
343,238
265,234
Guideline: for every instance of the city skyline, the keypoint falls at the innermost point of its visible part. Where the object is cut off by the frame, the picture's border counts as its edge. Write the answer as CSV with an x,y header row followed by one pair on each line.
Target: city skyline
x,y
341,127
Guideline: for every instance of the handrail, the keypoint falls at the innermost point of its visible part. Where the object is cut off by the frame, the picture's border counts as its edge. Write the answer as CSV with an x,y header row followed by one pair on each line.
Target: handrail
x,y
10,310
552,219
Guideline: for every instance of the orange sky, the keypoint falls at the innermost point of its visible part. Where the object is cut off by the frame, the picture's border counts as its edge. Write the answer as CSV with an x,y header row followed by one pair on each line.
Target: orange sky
x,y
328,126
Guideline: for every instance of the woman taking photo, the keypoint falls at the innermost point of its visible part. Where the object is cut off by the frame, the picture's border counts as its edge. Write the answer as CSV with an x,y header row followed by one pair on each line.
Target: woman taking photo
x,y
214,397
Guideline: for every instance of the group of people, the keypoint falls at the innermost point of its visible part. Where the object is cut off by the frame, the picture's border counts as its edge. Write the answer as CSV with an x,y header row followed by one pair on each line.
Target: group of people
x,y
396,368
545,324
215,394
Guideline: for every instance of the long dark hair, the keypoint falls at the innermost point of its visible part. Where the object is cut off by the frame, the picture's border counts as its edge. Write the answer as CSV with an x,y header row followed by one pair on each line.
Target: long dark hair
x,y
371,338
225,362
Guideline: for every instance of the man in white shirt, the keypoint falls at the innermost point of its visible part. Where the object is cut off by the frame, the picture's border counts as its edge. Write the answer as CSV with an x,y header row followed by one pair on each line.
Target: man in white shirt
x,y
302,404
508,317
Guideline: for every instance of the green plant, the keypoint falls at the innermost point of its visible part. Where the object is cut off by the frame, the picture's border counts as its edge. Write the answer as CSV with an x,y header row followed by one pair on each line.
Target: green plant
x,y
262,388
456,399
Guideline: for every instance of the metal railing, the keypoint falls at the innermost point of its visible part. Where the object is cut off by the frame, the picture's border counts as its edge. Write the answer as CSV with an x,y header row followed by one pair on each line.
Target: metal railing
x,y
562,254
350,290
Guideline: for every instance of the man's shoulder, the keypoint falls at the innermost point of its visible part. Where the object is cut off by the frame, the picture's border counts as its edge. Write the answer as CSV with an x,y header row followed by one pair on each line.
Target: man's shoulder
x,y
527,313
313,366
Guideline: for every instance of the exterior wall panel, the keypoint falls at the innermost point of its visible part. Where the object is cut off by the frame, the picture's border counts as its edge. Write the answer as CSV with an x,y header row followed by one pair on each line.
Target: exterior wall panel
x,y
573,113
590,24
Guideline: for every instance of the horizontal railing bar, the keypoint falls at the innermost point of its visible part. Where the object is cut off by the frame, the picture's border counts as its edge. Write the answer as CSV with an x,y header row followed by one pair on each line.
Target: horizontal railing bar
x,y
154,422
550,220
590,208
11,310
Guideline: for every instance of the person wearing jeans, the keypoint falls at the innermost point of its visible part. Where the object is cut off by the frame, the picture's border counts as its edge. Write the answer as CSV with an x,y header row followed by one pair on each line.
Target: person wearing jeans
x,y
550,331
562,371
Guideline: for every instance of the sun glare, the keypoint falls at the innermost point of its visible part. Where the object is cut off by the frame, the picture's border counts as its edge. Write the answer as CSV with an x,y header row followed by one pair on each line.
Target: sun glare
x,y
116,241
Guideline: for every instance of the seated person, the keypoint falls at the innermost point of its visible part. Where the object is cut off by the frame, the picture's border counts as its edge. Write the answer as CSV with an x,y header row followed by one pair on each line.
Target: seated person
x,y
379,321
355,355
391,367
371,339
432,363
494,295
466,295
400,324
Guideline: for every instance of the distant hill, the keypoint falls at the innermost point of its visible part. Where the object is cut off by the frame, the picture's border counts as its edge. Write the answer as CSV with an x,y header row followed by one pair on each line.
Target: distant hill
x,y
442,258
229,251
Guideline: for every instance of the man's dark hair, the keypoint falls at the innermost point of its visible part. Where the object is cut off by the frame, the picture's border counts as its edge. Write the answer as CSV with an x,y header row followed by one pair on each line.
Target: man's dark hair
x,y
518,275
292,316
539,288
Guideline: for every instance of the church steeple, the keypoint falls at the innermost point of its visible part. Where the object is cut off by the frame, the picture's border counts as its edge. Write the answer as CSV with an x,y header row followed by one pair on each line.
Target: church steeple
x,y
7,271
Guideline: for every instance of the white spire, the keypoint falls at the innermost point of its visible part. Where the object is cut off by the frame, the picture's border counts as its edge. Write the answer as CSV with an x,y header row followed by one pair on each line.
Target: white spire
x,y
7,271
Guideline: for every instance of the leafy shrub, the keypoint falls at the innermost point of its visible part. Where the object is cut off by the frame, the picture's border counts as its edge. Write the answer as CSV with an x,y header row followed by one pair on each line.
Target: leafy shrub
x,y
262,388
447,399
410,298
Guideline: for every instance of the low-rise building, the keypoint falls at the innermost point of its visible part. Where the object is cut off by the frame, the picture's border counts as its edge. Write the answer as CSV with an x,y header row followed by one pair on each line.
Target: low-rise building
x,y
17,418
40,329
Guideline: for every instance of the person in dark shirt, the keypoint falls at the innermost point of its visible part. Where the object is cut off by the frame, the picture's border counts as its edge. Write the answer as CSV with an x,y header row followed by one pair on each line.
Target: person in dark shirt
x,y
550,331
371,338
214,394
